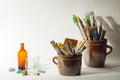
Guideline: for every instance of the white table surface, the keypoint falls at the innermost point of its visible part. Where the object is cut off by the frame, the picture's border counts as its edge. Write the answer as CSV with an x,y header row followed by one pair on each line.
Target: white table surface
x,y
111,71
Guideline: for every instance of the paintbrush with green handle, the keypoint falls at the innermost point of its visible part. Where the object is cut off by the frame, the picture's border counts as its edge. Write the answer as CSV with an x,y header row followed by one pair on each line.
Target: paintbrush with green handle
x,y
80,28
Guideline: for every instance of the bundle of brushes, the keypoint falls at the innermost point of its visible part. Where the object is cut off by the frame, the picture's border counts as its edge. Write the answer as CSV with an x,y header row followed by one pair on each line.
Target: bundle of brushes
x,y
70,47
91,30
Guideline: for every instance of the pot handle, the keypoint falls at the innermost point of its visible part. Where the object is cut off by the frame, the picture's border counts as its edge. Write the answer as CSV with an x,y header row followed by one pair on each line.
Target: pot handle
x,y
110,49
55,60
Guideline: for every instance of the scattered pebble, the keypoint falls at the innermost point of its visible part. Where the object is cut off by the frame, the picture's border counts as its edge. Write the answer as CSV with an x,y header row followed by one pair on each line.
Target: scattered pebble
x,y
19,71
11,69
24,72
42,71
36,73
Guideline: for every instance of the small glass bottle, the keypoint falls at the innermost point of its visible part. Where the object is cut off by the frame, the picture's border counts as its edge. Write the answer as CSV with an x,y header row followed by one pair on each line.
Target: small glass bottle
x,y
22,57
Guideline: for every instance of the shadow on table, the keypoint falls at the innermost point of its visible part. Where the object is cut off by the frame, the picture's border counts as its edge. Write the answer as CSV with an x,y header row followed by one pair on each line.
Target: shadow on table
x,y
109,68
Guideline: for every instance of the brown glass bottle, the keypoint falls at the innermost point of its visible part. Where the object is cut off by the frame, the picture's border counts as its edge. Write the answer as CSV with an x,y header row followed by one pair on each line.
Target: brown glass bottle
x,y
22,57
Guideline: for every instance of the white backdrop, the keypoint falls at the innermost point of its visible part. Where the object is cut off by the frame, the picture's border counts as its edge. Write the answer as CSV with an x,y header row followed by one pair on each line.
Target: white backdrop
x,y
37,22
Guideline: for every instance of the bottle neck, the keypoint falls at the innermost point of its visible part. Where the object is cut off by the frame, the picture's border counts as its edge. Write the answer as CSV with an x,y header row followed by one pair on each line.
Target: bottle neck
x,y
22,45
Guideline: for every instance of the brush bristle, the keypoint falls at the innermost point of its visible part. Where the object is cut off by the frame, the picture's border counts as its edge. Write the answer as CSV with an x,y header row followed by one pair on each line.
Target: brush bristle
x,y
74,19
